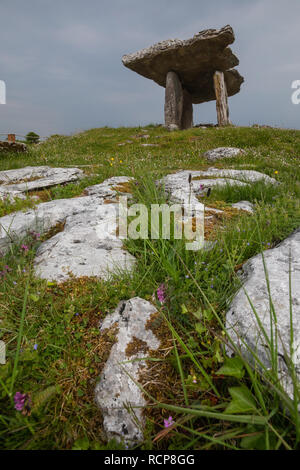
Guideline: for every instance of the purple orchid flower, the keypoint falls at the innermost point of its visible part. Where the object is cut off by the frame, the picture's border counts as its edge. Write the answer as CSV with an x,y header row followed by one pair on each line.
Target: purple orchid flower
x,y
20,400
169,422
161,293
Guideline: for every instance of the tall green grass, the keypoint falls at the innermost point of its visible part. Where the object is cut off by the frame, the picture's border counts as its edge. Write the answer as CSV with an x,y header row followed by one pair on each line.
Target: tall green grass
x,y
235,403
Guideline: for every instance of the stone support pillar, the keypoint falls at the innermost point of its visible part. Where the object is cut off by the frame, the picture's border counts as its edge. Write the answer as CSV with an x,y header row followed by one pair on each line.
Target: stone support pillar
x,y
173,101
221,99
187,111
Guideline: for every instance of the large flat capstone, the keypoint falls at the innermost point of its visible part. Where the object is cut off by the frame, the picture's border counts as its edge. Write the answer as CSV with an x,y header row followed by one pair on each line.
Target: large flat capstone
x,y
241,322
194,60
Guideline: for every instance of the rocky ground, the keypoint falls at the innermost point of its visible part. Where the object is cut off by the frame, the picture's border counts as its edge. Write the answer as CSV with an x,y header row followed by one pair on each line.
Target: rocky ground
x,y
209,336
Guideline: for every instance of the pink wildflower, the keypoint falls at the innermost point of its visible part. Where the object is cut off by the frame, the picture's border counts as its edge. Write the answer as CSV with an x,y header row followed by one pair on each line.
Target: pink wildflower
x,y
20,400
169,422
161,293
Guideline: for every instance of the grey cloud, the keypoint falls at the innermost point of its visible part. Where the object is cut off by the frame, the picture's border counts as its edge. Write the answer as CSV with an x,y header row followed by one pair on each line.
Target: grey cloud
x,y
61,61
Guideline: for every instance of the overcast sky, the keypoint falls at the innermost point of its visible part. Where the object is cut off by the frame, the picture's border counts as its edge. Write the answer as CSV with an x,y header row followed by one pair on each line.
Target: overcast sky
x,y
61,60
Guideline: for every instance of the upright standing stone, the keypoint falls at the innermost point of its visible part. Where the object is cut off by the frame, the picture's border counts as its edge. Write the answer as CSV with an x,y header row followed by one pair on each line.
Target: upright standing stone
x,y
221,99
187,111
173,101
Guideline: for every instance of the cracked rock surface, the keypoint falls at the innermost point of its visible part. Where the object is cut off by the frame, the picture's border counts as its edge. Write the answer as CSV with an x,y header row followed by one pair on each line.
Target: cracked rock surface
x,y
87,244
241,323
116,393
181,191
15,183
107,189
223,152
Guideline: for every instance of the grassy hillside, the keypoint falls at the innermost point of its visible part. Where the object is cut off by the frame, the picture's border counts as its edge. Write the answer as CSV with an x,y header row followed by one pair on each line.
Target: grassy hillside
x,y
54,354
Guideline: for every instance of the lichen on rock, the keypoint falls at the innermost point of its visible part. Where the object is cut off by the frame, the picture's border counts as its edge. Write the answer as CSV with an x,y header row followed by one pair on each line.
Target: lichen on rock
x,y
117,394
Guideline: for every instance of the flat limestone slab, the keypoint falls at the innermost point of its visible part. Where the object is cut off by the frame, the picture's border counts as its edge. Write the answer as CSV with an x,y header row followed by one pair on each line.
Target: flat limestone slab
x,y
10,194
194,60
29,172
248,176
240,319
87,245
222,152
180,191
16,226
116,389
187,187
109,188
15,183
187,194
